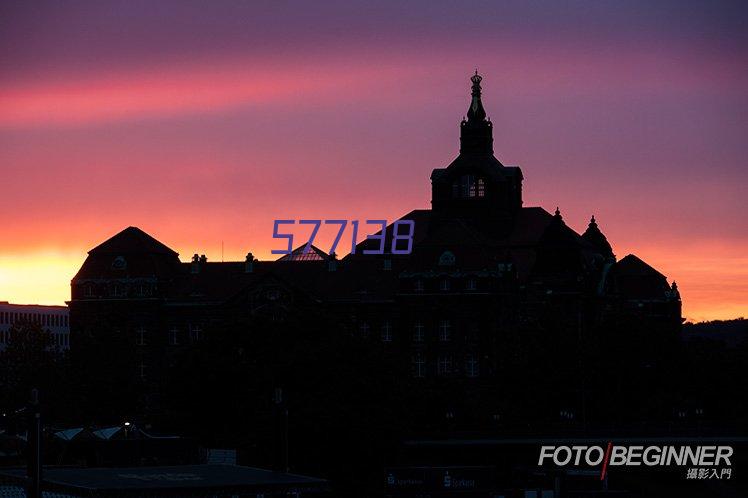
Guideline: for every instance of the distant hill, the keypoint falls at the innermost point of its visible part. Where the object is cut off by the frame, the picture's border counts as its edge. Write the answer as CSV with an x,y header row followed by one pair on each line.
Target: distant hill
x,y
731,332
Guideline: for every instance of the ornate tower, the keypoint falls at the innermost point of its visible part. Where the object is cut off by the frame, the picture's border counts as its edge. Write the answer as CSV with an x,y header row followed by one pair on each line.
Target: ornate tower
x,y
475,131
476,184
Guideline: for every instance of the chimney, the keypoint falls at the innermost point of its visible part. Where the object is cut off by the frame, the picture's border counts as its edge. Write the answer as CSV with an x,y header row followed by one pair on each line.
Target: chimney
x,y
332,262
195,266
249,263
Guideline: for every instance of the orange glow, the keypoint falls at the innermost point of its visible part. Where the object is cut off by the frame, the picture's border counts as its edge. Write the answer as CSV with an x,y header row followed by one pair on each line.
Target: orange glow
x,y
713,279
200,153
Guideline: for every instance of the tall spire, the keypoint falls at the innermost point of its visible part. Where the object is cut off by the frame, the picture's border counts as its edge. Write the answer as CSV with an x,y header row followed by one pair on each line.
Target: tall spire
x,y
476,111
475,131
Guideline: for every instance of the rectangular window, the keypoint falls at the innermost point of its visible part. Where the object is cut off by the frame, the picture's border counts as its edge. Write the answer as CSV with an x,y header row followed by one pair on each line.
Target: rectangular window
x,y
174,336
364,329
418,332
472,368
386,332
445,330
419,366
195,333
444,365
140,336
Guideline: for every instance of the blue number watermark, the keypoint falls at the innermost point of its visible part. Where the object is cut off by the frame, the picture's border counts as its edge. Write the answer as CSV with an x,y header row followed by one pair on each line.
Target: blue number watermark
x,y
402,235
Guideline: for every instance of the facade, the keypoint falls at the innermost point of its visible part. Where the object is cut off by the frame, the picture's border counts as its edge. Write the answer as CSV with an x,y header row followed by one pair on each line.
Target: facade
x,y
53,319
486,280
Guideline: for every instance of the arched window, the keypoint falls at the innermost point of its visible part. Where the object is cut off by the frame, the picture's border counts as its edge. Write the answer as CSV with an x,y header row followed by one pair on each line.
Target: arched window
x,y
469,187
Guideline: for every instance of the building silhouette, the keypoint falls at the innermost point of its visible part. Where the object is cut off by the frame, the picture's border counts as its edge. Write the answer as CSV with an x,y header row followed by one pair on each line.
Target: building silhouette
x,y
52,319
488,280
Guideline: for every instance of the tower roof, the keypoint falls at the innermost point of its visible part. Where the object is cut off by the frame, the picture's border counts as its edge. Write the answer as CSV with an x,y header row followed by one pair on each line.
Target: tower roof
x,y
594,236
476,136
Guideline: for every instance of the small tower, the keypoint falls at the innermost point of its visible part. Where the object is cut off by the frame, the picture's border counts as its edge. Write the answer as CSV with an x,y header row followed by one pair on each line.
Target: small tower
x,y
597,239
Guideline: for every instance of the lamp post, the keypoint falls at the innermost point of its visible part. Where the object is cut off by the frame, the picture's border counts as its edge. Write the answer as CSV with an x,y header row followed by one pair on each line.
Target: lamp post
x,y
34,447
281,423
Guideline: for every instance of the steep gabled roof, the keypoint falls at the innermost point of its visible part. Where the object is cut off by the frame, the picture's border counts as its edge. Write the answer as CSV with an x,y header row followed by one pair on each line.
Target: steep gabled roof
x,y
632,278
632,266
132,240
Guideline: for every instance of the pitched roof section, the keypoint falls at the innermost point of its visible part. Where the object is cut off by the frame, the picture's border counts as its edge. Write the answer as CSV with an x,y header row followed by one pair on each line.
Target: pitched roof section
x,y
298,254
632,266
132,240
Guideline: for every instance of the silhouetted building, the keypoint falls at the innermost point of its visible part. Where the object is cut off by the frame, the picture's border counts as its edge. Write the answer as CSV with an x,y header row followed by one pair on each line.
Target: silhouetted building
x,y
487,281
52,319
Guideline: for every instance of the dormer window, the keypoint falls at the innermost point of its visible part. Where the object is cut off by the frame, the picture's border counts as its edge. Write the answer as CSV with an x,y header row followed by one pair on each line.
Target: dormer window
x,y
118,290
469,187
471,284
444,284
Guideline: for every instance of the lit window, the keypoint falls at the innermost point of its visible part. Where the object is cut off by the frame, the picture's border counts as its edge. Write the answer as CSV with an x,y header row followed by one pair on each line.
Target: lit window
x,y
445,330
386,332
469,187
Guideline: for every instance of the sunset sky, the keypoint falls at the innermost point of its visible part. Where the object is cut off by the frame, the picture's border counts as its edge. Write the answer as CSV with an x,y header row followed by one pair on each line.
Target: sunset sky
x,y
202,122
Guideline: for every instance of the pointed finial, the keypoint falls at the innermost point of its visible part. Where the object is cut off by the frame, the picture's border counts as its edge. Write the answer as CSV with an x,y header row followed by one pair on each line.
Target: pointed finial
x,y
558,211
476,111
476,79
